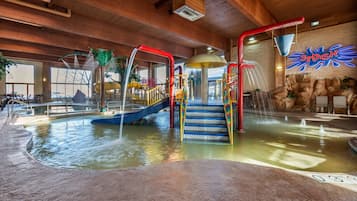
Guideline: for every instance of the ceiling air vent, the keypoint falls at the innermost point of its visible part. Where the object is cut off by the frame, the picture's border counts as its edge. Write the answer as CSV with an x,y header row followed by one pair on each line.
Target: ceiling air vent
x,y
189,9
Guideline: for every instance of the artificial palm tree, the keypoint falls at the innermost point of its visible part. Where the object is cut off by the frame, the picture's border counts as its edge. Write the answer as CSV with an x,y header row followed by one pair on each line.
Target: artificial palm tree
x,y
103,57
4,64
119,67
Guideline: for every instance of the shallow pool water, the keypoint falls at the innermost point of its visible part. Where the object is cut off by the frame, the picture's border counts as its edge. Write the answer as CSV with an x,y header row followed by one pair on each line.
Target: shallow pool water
x,y
76,143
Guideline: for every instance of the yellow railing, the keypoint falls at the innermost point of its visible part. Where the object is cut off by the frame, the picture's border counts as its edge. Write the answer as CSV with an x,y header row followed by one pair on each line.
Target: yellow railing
x,y
233,76
147,96
228,109
154,95
183,106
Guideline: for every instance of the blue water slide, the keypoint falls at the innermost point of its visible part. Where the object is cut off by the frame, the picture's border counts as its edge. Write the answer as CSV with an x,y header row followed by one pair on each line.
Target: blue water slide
x,y
134,116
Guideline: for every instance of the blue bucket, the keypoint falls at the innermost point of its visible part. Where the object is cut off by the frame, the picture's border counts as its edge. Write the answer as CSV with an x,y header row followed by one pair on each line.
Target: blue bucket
x,y
283,43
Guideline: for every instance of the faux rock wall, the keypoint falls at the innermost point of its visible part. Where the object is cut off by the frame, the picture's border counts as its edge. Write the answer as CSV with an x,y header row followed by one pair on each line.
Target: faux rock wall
x,y
300,91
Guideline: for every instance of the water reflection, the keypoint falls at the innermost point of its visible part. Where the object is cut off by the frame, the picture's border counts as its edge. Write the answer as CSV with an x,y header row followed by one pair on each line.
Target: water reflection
x,y
75,142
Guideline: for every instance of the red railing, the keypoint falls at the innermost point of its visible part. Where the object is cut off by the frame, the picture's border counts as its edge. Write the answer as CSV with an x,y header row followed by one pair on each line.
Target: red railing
x,y
169,56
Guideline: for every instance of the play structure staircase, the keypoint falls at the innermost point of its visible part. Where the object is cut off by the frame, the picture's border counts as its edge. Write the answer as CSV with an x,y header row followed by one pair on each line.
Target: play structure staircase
x,y
205,122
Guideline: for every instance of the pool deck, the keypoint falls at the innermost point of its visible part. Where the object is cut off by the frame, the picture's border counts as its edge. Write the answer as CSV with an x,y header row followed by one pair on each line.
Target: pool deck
x,y
23,178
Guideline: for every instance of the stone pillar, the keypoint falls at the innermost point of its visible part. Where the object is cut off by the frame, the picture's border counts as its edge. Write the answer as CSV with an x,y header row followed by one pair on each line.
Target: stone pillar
x,y
153,73
38,79
2,86
102,92
280,66
46,82
204,85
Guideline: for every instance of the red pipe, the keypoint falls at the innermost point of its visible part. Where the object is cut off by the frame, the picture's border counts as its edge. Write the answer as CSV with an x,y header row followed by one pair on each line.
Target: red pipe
x,y
158,52
240,41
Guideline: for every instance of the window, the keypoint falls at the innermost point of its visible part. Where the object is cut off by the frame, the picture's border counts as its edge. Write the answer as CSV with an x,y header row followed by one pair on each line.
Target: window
x,y
111,77
20,81
143,73
160,73
65,82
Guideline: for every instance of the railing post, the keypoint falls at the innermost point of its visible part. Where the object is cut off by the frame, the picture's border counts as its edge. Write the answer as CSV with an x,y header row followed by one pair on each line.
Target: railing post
x,y
147,97
8,109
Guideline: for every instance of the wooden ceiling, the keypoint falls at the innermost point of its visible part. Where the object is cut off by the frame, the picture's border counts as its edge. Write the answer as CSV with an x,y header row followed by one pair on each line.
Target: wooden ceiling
x,y
121,25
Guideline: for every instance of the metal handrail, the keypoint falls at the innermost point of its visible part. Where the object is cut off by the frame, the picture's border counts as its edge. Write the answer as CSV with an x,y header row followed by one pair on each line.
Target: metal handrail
x,y
66,105
10,108
183,107
113,104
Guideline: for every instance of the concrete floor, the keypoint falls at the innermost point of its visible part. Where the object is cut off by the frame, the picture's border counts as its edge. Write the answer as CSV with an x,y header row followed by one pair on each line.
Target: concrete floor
x,y
23,178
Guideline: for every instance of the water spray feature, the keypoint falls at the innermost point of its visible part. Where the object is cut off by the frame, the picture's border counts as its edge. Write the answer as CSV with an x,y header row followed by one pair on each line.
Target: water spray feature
x,y
242,65
258,83
126,80
322,130
286,118
303,123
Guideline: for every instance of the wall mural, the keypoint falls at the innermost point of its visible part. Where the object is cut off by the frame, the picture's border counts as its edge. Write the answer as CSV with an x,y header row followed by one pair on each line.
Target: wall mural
x,y
319,57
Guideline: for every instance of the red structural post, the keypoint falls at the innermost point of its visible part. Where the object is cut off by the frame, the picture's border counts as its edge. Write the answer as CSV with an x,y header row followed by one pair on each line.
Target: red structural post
x,y
240,41
158,52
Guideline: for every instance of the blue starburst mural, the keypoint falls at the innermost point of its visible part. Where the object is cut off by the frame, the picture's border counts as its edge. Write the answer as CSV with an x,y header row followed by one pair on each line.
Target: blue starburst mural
x,y
321,57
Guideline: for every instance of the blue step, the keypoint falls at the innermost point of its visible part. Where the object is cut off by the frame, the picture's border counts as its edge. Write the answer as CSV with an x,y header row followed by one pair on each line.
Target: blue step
x,y
205,121
205,133
206,129
206,111
205,136
206,118
206,105
205,108
205,114
206,125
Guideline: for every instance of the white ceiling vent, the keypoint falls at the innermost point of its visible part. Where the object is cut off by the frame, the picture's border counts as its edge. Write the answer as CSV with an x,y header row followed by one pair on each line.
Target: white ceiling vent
x,y
189,9
188,13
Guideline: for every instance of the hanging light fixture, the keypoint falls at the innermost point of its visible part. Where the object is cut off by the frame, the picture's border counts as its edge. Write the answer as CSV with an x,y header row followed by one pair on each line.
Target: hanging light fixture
x,y
206,61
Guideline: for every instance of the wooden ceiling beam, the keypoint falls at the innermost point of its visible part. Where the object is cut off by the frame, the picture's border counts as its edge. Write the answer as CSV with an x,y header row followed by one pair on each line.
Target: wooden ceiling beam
x,y
19,46
255,11
89,27
29,56
53,60
144,12
41,36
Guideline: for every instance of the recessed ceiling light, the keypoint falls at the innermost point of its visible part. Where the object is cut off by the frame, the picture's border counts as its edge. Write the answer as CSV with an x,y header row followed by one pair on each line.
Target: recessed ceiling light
x,y
314,23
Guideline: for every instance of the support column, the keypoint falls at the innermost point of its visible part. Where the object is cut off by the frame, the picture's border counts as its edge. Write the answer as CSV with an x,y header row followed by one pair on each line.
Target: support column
x,y
3,85
46,82
38,80
204,85
153,74
280,67
102,93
